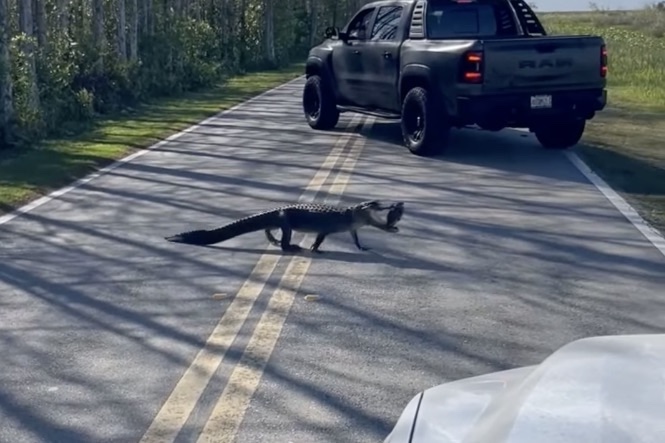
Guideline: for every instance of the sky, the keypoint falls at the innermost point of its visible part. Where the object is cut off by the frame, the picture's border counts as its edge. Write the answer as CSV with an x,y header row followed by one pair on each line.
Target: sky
x,y
583,5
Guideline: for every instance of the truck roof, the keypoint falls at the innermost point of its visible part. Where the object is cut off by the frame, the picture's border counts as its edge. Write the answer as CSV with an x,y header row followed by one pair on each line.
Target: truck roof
x,y
379,2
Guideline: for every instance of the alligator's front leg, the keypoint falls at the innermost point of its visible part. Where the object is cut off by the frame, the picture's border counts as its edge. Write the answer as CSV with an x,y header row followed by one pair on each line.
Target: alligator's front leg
x,y
317,243
354,234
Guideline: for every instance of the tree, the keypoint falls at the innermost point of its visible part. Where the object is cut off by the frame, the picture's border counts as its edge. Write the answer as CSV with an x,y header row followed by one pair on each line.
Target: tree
x,y
6,103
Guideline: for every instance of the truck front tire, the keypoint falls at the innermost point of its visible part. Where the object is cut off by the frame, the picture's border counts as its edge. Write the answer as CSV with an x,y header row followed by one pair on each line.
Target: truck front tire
x,y
560,135
424,129
319,105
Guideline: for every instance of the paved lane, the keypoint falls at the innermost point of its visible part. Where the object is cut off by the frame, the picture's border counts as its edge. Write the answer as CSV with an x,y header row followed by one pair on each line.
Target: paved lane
x,y
506,252
99,316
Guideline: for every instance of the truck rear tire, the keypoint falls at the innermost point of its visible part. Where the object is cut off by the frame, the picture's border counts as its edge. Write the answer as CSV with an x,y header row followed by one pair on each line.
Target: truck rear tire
x,y
319,105
424,129
560,135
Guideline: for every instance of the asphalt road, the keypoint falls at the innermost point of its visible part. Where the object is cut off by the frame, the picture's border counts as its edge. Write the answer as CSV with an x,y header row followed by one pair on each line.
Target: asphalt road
x,y
506,252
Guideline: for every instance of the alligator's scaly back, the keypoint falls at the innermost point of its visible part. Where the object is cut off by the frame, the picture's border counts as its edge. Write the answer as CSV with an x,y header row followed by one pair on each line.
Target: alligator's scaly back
x,y
256,222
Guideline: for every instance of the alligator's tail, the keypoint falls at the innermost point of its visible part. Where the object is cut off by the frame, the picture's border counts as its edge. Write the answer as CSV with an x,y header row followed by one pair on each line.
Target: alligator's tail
x,y
256,222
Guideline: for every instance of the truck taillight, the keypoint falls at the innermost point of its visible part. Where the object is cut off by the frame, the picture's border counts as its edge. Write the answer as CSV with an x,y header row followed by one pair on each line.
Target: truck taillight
x,y
472,67
603,61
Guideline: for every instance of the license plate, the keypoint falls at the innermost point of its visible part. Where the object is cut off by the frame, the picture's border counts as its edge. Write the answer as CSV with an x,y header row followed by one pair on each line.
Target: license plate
x,y
541,101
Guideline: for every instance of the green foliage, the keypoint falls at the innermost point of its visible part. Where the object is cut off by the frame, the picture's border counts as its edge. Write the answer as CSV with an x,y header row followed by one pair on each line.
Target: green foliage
x,y
28,116
636,53
176,60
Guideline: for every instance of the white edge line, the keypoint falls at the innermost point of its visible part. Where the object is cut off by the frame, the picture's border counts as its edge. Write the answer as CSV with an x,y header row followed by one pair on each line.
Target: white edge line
x,y
619,202
651,234
105,170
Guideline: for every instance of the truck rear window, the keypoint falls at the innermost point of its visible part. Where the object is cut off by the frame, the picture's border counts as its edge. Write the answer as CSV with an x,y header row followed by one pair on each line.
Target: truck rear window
x,y
460,19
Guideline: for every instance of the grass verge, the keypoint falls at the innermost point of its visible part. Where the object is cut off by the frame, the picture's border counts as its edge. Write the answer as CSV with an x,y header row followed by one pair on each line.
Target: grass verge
x,y
625,147
624,143
30,173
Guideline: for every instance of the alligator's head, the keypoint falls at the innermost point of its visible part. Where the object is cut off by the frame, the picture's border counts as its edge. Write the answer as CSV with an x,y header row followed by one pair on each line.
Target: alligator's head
x,y
381,215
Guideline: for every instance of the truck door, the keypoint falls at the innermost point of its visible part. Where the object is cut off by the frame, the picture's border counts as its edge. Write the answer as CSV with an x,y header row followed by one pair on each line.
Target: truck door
x,y
381,59
347,59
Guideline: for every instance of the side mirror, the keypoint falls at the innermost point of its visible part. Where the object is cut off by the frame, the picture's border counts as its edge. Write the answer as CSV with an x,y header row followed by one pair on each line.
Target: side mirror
x,y
331,31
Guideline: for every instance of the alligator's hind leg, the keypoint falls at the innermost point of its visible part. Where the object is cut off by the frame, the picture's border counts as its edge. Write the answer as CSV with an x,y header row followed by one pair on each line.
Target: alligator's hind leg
x,y
271,238
317,243
285,242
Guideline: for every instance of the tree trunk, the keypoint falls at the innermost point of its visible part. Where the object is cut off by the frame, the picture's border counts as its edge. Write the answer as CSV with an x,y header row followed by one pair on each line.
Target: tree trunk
x,y
26,26
269,31
150,17
82,23
98,34
242,30
63,15
134,30
313,21
6,102
228,29
40,16
122,30
195,9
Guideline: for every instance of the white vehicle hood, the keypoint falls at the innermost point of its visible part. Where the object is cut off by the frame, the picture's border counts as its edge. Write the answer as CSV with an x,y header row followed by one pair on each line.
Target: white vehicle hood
x,y
607,389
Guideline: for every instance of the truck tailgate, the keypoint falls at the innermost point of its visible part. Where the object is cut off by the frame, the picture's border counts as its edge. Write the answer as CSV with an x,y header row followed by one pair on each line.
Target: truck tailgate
x,y
542,64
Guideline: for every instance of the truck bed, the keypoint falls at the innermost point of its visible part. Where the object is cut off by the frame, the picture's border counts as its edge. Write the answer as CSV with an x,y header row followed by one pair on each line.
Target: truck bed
x,y
542,64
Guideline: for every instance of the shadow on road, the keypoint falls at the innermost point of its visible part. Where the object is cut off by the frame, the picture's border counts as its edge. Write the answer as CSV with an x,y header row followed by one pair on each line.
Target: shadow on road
x,y
508,151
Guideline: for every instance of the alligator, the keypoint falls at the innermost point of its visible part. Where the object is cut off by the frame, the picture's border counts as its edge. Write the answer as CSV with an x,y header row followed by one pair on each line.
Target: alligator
x,y
316,218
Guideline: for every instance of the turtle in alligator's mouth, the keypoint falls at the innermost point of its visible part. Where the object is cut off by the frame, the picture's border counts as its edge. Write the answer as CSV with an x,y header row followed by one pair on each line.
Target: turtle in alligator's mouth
x,y
385,216
394,216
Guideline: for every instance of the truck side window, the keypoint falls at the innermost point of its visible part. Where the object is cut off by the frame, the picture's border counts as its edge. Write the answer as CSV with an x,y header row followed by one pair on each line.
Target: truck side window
x,y
386,23
460,20
358,27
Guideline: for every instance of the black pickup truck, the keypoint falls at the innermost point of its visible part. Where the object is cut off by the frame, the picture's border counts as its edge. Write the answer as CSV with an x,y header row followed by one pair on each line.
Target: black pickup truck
x,y
440,64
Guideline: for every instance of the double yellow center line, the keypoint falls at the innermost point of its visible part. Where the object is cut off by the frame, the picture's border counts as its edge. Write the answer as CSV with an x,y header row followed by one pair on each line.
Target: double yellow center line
x,y
229,410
